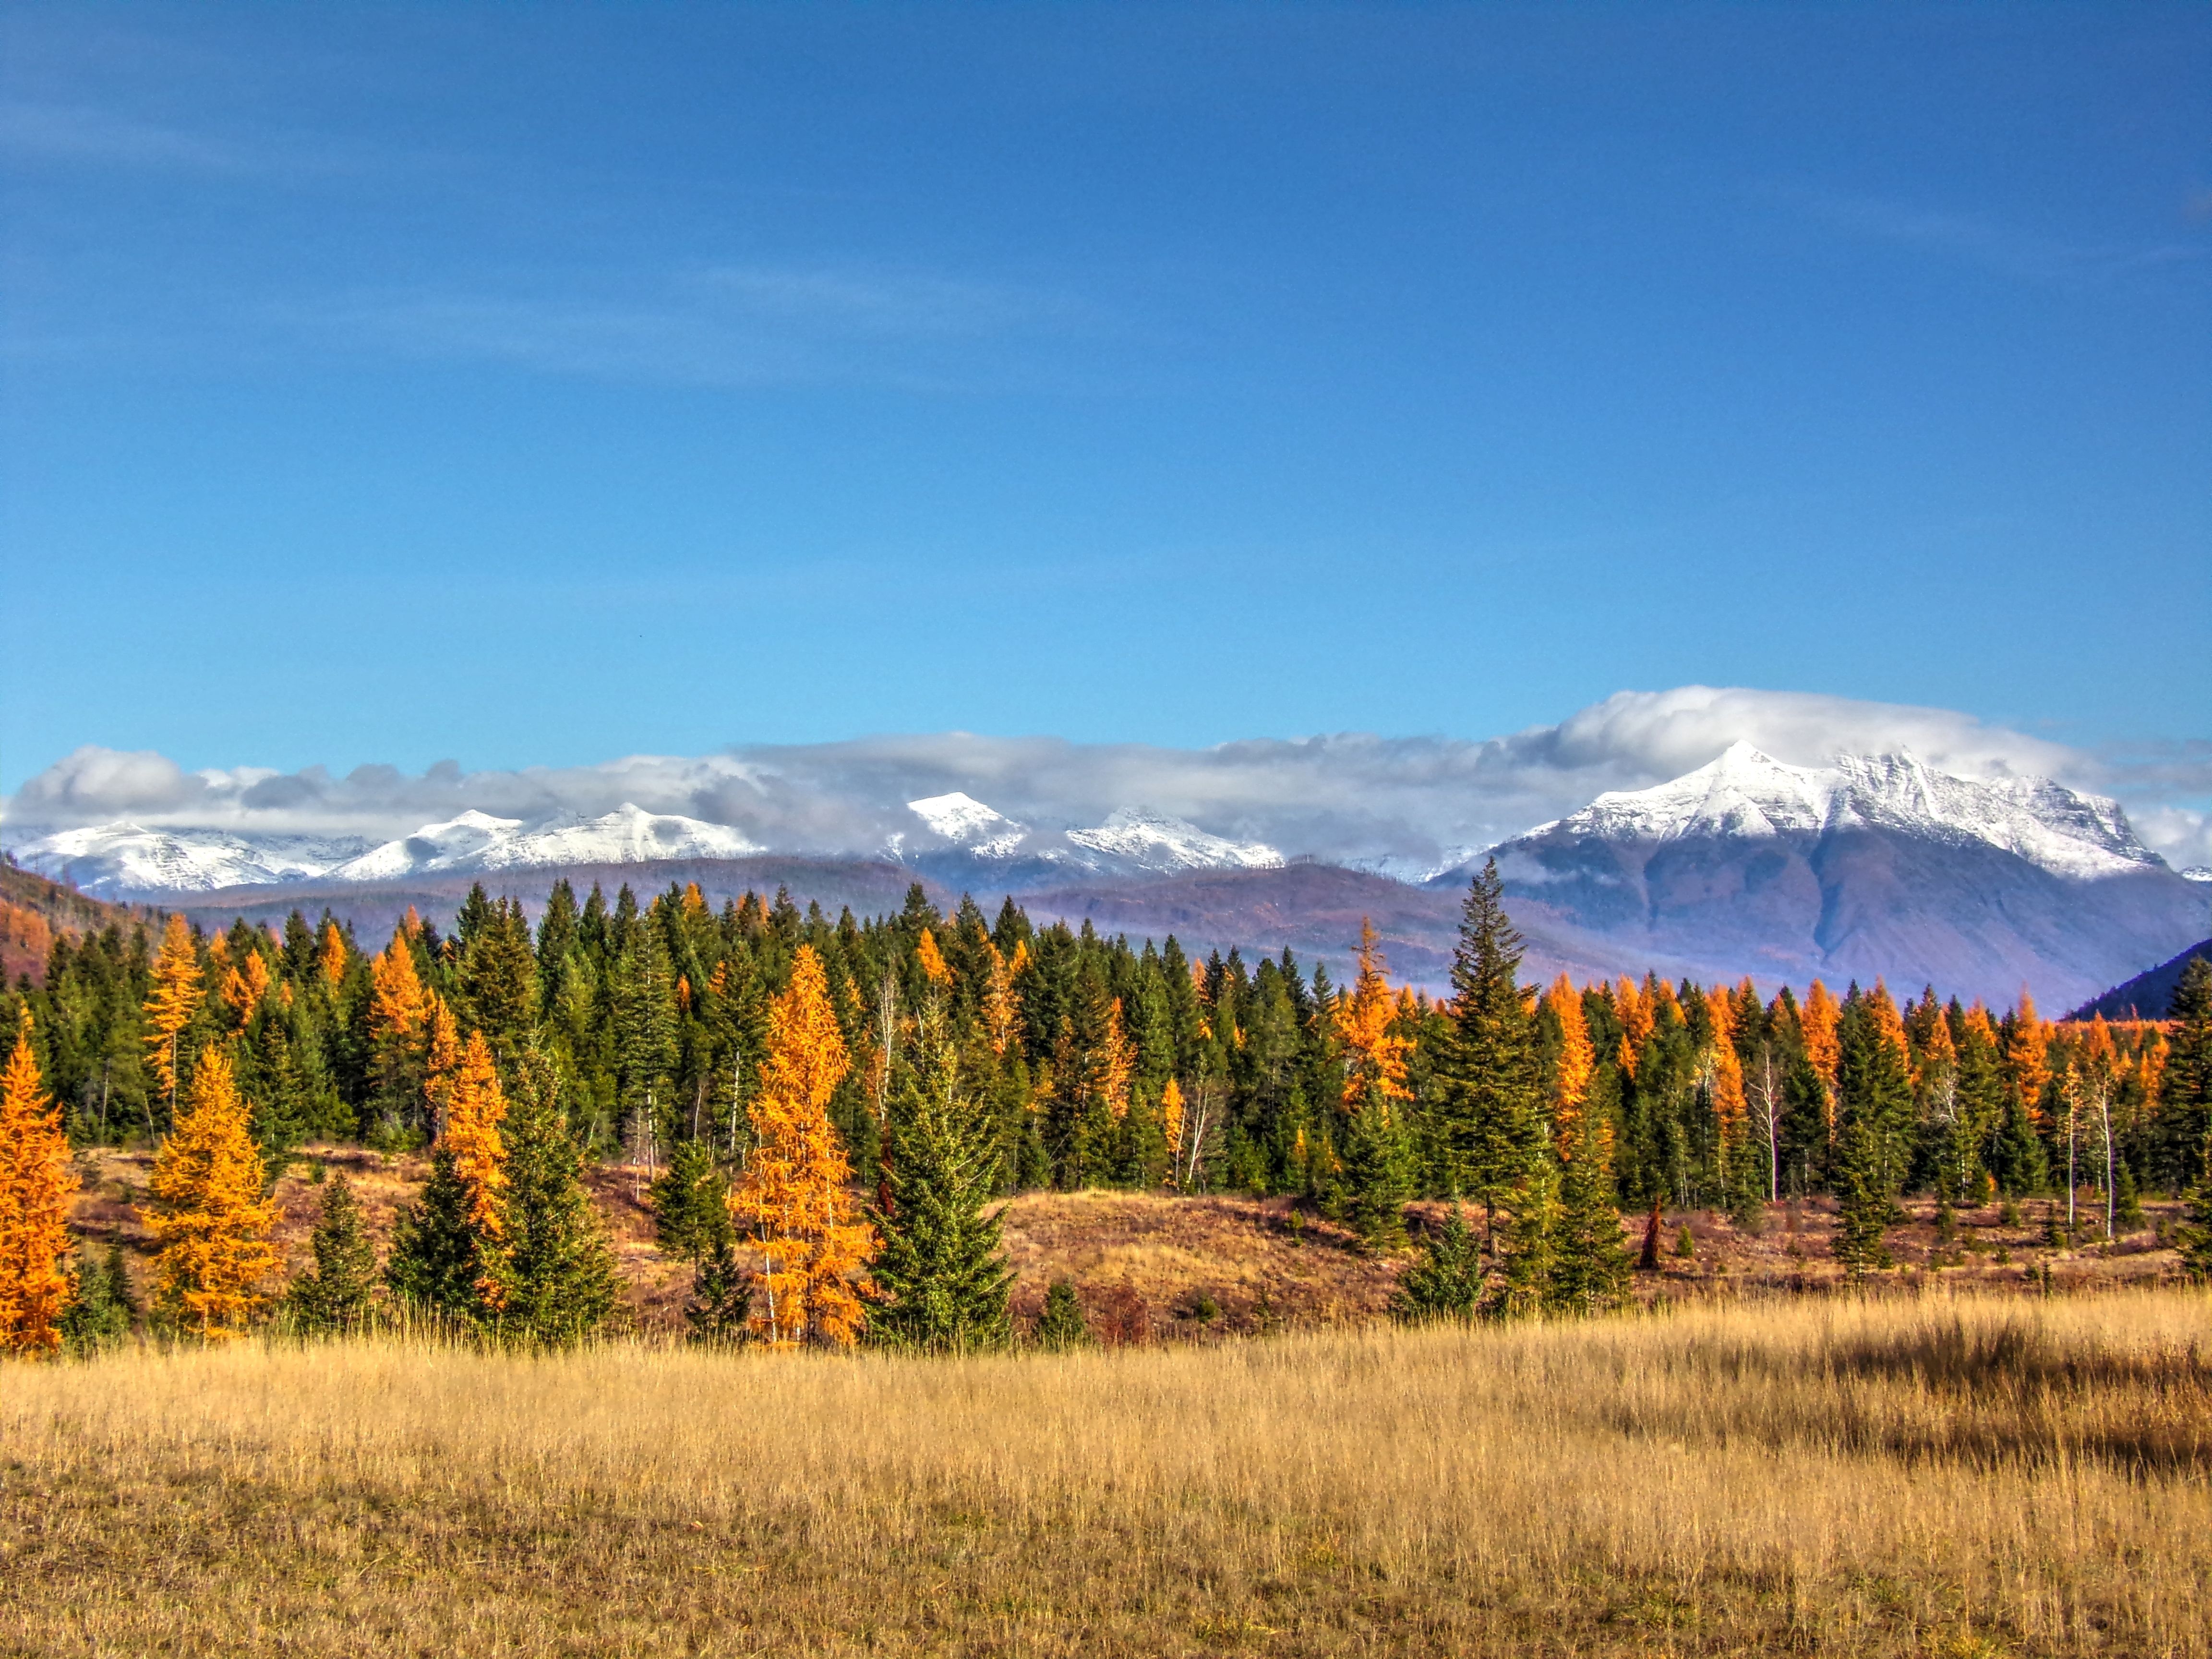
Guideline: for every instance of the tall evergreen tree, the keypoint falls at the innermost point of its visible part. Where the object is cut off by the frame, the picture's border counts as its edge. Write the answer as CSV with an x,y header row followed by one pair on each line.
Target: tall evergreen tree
x,y
98,1317
1591,1270
1377,1175
336,1294
940,1268
1491,1109
557,1275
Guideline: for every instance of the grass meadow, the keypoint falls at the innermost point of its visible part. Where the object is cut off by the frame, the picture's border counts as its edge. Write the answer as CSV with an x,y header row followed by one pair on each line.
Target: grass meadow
x,y
1941,1475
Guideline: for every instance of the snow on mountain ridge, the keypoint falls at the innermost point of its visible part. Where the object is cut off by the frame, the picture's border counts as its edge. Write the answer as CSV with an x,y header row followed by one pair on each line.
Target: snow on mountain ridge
x,y
1744,793
1155,841
476,841
968,823
126,857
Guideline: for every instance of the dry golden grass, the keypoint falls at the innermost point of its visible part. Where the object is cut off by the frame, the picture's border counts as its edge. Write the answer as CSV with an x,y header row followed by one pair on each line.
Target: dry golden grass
x,y
1938,1476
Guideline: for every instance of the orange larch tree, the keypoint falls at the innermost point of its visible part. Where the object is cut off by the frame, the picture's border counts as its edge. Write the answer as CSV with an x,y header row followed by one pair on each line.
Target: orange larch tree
x,y
791,1204
1578,1063
934,968
1367,1025
172,1002
2027,1056
1819,1021
474,1108
1171,1125
36,1184
333,958
209,1215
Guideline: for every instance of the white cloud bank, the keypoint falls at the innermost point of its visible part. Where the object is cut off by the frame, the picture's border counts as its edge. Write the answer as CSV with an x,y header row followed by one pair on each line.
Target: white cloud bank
x,y
1412,801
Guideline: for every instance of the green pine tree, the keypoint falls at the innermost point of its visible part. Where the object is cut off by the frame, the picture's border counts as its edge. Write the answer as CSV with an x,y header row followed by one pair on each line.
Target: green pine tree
x,y
691,1202
1376,1179
440,1259
940,1266
1591,1273
1491,1106
1063,1326
335,1296
1528,1253
558,1273
1863,1201
1447,1283
98,1317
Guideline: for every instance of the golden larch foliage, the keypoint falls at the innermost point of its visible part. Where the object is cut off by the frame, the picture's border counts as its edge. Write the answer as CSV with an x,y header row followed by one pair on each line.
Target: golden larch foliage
x,y
933,966
2028,1056
334,951
171,1002
1889,1025
695,902
237,997
258,977
1002,1003
1171,1124
1720,1014
1817,1017
475,1109
1636,1020
442,1061
791,1202
1730,1113
1577,1061
1117,1063
397,1003
210,1218
37,1183
1366,1019
1663,1001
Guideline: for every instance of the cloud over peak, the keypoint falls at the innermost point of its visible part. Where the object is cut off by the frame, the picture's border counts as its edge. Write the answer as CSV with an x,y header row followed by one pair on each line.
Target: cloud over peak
x,y
1399,802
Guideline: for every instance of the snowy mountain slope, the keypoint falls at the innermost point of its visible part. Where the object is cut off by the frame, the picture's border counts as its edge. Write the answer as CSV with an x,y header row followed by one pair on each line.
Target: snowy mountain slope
x,y
1155,843
110,859
1875,867
478,841
968,823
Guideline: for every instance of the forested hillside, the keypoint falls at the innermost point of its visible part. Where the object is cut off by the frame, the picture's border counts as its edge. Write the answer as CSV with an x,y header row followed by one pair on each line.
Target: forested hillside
x,y
1090,1061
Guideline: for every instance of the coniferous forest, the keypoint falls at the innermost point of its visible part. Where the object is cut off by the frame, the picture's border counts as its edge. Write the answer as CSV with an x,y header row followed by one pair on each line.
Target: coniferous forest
x,y
828,1108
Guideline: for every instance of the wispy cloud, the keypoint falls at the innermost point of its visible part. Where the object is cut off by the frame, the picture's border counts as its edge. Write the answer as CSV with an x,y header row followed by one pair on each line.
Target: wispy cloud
x,y
741,324
1413,801
1986,240
84,133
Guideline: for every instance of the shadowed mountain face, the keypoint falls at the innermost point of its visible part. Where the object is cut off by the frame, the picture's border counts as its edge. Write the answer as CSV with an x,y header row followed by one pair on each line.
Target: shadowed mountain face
x,y
2148,995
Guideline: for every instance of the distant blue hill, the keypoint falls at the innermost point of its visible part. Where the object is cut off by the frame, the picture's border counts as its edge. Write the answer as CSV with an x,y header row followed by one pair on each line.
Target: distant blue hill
x,y
2146,996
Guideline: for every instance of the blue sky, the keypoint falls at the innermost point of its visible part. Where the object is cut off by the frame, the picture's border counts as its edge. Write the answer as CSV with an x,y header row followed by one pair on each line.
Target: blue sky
x,y
533,386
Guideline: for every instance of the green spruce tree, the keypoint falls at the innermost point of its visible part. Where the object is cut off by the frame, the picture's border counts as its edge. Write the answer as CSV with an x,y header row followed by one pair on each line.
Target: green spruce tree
x,y
1591,1272
440,1261
1490,1105
557,1279
336,1294
1528,1253
1376,1179
1062,1326
940,1266
1448,1282
98,1317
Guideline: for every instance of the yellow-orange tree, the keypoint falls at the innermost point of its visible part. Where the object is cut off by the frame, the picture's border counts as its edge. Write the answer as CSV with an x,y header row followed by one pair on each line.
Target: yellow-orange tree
x,y
170,1005
36,1184
209,1215
791,1204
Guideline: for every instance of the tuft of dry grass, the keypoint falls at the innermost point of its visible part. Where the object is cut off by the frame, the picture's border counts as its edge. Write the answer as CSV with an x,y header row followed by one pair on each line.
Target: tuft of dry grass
x,y
1952,1476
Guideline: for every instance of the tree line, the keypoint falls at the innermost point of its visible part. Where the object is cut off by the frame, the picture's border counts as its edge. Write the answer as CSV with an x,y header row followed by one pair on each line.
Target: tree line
x,y
758,1062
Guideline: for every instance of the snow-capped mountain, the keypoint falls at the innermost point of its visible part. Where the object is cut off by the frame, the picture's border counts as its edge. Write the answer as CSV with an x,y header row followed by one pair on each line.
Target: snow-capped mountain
x,y
1875,866
1157,844
478,841
967,823
981,841
1749,795
108,860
